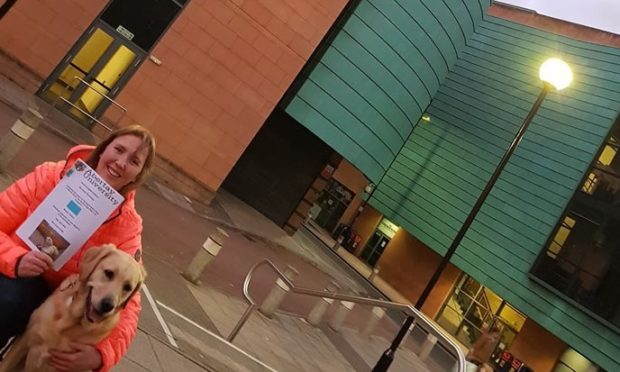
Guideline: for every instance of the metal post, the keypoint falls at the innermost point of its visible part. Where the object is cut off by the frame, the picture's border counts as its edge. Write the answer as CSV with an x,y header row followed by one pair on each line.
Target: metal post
x,y
241,322
388,356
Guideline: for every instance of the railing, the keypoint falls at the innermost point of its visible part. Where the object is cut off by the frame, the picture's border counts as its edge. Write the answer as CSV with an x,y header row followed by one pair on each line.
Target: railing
x,y
420,318
84,112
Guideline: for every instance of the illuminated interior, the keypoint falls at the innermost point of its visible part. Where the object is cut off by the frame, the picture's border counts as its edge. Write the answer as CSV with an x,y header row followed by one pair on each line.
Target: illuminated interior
x,y
472,308
90,65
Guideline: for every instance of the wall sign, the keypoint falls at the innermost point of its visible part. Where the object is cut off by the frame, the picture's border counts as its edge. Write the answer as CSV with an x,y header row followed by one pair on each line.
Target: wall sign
x,y
125,32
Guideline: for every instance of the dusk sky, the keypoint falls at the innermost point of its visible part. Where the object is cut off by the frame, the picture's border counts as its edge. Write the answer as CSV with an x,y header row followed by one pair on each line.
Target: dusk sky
x,y
600,14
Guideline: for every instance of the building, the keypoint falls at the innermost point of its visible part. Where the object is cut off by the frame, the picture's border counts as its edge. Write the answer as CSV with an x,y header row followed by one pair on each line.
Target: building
x,y
295,106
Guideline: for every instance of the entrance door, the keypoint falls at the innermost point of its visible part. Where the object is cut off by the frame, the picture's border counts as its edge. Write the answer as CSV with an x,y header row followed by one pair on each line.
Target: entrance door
x,y
331,204
375,247
93,71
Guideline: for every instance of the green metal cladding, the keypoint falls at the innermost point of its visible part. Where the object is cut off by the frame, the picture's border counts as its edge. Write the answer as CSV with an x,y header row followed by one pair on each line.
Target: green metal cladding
x,y
445,163
476,77
380,73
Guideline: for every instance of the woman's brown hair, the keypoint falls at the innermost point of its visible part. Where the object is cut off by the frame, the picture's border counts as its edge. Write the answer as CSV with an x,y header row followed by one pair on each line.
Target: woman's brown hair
x,y
148,142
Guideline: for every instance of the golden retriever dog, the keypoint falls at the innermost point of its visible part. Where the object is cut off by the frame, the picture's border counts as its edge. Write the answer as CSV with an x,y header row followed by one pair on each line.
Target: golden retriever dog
x,y
84,308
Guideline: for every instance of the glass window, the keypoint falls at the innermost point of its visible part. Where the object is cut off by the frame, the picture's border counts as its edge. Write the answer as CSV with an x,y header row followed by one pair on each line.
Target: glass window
x,y
582,259
512,317
560,236
471,309
142,21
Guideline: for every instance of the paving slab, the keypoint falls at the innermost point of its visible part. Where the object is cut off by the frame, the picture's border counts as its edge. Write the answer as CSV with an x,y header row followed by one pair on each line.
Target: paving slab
x,y
141,353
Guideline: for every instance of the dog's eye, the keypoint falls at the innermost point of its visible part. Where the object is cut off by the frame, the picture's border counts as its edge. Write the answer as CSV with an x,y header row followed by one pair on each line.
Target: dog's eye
x,y
127,288
109,274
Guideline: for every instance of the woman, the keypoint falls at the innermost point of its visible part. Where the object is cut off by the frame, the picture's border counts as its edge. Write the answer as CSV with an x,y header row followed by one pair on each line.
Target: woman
x,y
123,160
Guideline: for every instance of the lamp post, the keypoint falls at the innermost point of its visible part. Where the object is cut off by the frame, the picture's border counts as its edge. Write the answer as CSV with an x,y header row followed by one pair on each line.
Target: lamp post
x,y
554,73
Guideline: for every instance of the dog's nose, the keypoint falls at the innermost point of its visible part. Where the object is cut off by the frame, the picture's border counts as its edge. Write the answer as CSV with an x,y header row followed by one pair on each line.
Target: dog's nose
x,y
106,305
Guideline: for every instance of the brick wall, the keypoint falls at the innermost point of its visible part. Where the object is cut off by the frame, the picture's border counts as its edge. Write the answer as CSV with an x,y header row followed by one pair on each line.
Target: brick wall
x,y
537,347
38,33
407,264
225,64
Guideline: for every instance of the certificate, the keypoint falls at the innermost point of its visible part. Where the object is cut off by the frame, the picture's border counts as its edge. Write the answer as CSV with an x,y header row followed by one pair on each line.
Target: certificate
x,y
70,214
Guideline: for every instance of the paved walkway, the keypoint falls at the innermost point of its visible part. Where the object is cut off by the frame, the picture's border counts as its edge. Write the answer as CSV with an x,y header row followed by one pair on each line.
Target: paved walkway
x,y
182,324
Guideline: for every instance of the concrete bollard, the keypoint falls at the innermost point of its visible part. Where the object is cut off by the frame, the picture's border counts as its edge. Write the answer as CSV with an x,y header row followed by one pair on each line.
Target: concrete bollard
x,y
377,314
277,293
374,273
343,308
210,248
427,347
319,309
21,130
338,243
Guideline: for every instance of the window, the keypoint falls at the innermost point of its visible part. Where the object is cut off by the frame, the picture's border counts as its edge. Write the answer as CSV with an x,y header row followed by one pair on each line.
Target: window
x,y
472,308
142,21
582,258
560,237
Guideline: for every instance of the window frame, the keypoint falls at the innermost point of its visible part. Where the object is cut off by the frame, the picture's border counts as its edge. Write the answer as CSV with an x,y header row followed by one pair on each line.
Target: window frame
x,y
615,127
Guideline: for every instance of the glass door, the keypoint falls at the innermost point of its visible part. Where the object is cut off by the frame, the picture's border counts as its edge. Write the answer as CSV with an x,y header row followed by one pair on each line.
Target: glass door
x,y
96,67
375,247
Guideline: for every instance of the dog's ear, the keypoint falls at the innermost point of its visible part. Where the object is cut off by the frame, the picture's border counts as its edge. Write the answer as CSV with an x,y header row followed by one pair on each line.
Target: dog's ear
x,y
91,258
135,290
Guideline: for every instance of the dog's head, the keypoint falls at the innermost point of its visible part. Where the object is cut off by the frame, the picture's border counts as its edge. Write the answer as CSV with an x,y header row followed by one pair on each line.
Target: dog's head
x,y
110,277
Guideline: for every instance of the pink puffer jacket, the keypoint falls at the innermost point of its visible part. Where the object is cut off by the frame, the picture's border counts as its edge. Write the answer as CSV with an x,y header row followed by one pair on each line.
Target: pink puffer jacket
x,y
123,228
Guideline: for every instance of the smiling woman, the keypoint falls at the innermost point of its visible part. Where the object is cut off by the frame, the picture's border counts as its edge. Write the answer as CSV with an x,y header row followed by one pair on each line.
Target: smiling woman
x,y
123,160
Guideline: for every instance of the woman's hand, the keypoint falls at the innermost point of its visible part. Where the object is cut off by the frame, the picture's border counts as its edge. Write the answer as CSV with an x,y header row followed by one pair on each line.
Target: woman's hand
x,y
33,263
81,357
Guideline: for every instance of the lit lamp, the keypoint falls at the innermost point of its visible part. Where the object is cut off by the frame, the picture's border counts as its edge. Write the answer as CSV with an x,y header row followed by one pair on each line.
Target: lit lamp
x,y
554,73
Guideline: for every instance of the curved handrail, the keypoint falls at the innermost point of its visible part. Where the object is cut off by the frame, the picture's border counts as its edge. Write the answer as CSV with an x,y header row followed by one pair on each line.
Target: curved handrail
x,y
431,328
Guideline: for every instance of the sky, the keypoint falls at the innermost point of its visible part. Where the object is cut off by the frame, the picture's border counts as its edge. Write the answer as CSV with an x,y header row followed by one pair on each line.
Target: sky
x,y
601,14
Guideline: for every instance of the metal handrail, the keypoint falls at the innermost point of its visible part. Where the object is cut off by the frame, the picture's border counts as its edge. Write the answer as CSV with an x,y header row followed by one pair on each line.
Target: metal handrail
x,y
431,328
101,94
86,113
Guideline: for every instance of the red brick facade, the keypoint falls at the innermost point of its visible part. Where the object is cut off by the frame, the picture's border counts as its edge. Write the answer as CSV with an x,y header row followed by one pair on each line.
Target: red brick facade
x,y
38,33
224,66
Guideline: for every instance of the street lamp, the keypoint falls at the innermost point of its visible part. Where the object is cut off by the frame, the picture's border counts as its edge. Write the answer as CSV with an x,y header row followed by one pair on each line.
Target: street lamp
x,y
554,73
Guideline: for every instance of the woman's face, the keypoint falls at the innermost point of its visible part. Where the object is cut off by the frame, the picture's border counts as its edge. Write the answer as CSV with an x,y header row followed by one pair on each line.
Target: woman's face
x,y
121,162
